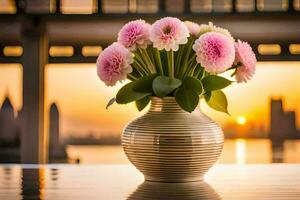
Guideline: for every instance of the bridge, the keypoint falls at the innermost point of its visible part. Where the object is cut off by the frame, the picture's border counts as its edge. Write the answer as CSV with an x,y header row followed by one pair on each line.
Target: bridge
x,y
35,33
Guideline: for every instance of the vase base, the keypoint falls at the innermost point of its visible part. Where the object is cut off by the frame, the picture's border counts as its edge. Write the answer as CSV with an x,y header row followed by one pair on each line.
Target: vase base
x,y
167,180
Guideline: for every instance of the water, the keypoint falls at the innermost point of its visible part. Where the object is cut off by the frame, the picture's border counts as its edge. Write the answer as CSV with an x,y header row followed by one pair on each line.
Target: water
x,y
239,151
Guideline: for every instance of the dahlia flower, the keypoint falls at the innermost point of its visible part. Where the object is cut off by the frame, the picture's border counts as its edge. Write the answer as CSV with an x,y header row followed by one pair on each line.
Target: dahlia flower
x,y
210,27
194,28
246,61
168,33
135,34
215,52
113,64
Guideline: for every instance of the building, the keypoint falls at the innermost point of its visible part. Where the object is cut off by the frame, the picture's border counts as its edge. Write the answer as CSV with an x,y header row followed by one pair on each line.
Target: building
x,y
282,123
9,126
11,133
57,152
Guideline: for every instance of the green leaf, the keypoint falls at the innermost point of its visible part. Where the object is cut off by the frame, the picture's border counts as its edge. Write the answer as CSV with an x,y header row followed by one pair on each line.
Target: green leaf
x,y
126,94
214,82
207,96
163,85
142,103
110,102
144,84
191,83
187,99
217,101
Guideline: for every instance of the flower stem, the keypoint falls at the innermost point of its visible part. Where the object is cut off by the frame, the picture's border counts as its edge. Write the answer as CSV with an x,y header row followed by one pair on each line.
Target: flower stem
x,y
170,55
142,65
188,65
139,67
178,61
131,77
187,54
158,61
199,73
150,53
147,59
193,69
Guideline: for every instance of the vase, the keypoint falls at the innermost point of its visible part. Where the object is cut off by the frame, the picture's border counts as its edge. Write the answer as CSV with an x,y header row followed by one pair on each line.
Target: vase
x,y
168,144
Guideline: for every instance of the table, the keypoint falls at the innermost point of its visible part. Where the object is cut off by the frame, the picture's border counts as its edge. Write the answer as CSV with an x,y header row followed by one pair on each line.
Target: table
x,y
118,182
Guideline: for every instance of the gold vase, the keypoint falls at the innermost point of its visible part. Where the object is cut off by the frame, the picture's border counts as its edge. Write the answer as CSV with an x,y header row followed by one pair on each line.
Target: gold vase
x,y
168,144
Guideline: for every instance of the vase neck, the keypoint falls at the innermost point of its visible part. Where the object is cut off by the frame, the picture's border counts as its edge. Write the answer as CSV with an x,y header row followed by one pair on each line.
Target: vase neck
x,y
167,104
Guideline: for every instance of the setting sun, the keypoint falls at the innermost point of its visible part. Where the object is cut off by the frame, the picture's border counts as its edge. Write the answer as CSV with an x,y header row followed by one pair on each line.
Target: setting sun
x,y
241,120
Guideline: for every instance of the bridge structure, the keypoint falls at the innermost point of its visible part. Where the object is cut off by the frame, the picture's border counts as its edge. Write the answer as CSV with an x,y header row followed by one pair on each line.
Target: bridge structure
x,y
35,33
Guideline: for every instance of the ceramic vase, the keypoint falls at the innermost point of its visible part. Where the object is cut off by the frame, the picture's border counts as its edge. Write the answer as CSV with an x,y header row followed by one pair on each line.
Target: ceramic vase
x,y
168,144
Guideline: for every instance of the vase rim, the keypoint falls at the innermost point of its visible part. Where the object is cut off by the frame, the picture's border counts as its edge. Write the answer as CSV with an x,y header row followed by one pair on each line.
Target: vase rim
x,y
168,102
158,98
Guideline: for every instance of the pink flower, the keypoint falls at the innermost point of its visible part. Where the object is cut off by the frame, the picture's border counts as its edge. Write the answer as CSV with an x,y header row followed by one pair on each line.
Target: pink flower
x,y
194,29
135,34
113,64
215,52
245,58
168,33
210,27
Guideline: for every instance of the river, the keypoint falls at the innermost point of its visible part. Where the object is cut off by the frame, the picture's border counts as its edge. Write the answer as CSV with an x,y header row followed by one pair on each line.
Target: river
x,y
239,151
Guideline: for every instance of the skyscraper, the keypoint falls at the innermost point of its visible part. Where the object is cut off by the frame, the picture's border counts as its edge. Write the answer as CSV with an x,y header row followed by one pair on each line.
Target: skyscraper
x,y
57,152
283,123
9,129
53,128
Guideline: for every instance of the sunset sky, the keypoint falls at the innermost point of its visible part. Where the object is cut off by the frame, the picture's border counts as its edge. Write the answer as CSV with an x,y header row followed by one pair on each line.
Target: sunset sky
x,y
81,96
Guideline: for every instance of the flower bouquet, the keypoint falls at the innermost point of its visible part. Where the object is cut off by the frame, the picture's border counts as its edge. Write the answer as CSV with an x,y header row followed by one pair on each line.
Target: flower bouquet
x,y
173,64
174,58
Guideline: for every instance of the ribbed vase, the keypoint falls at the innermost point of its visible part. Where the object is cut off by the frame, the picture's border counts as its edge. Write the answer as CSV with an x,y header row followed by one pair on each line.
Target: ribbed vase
x,y
168,144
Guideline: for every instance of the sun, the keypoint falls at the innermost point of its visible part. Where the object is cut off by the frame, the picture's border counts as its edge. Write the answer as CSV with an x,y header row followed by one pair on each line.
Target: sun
x,y
241,120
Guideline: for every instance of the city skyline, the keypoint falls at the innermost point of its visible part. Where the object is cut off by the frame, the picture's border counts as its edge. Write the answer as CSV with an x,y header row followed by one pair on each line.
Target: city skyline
x,y
81,97
11,134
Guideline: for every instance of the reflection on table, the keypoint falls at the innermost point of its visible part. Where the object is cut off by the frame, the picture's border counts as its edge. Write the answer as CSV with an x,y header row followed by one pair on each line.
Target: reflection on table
x,y
120,182
174,191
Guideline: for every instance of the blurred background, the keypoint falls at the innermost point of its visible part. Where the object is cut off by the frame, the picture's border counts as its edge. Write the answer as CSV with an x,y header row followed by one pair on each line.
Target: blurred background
x,y
52,105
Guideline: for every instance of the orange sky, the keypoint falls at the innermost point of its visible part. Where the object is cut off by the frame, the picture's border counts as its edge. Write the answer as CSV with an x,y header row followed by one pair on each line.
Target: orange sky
x,y
81,97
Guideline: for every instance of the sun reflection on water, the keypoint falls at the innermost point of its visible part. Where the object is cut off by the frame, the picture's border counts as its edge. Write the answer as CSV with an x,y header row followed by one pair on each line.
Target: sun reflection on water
x,y
240,151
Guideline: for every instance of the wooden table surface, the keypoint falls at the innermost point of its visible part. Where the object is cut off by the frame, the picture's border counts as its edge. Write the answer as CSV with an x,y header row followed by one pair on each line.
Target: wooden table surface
x,y
118,182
